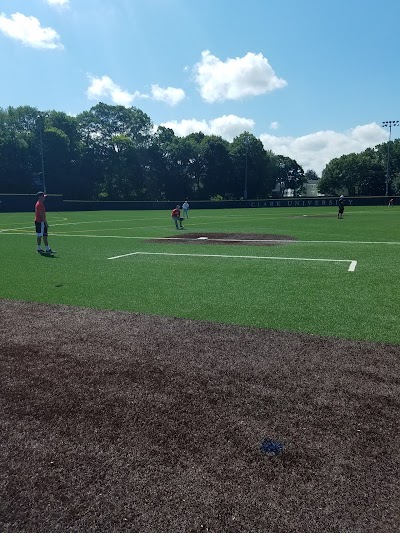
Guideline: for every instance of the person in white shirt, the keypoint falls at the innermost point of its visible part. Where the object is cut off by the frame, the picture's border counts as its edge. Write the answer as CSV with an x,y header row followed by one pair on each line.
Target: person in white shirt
x,y
185,209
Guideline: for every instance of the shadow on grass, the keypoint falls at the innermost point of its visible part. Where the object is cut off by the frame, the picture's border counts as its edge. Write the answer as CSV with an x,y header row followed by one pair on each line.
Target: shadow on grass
x,y
48,255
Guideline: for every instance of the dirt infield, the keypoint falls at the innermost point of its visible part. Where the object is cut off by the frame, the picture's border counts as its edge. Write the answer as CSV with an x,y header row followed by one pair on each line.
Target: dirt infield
x,y
114,422
254,239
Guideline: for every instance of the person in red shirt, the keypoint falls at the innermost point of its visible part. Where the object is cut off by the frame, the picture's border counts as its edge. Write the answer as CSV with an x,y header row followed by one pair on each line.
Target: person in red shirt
x,y
176,217
41,224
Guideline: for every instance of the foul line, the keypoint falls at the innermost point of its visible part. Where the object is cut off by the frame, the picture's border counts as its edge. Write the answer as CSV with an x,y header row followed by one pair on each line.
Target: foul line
x,y
10,232
352,267
105,221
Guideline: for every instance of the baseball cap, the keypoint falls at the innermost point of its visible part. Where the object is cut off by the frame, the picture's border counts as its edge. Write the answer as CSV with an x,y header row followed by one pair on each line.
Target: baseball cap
x,y
41,193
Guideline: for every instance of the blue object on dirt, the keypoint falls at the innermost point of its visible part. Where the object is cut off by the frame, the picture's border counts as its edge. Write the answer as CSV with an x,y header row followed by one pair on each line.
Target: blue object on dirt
x,y
272,447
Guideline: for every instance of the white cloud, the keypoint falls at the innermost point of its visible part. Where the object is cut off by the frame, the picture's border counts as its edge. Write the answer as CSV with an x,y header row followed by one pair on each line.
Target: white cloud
x,y
314,151
29,31
274,125
188,126
230,126
227,126
104,87
58,3
237,78
171,95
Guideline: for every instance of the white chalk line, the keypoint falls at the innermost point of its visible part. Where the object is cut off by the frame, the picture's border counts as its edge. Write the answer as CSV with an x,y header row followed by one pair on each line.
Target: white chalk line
x,y
131,228
352,267
215,217
4,230
106,221
270,215
195,239
69,224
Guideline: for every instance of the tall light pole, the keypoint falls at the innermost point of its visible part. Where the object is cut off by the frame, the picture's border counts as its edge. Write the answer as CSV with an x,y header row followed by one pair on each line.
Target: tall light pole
x,y
40,121
389,124
246,141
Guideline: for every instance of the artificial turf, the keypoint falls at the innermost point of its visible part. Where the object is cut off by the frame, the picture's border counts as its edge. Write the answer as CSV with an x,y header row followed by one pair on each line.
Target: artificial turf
x,y
314,297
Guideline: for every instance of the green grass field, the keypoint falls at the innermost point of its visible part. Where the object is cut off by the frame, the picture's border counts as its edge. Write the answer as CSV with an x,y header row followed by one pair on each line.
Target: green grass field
x,y
302,291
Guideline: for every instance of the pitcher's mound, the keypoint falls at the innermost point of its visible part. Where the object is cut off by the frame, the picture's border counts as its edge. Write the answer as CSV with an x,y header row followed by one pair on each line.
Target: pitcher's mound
x,y
253,239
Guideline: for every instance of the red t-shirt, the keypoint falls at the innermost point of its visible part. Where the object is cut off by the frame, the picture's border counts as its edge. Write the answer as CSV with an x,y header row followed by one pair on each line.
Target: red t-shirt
x,y
40,212
176,213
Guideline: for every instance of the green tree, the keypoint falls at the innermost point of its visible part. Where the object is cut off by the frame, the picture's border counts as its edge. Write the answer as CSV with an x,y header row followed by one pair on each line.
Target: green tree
x,y
360,174
168,170
124,178
57,157
337,175
288,174
19,152
369,173
15,168
103,122
22,119
311,175
99,127
251,167
161,179
395,184
394,161
218,166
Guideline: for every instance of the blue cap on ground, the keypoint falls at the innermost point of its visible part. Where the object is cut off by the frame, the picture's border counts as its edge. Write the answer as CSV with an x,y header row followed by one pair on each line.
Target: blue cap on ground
x,y
272,447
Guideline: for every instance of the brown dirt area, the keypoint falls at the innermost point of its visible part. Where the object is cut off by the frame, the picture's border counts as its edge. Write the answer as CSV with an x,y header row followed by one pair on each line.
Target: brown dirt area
x,y
240,239
119,422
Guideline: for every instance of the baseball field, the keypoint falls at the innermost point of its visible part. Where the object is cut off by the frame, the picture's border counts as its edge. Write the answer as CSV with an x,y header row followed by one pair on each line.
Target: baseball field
x,y
144,368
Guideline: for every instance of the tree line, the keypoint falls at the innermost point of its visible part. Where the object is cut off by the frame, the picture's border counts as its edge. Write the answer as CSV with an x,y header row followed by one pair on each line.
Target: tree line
x,y
116,153
365,173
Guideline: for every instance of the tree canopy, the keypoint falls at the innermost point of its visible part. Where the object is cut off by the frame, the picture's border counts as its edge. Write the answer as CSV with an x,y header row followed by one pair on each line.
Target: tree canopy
x,y
364,174
116,153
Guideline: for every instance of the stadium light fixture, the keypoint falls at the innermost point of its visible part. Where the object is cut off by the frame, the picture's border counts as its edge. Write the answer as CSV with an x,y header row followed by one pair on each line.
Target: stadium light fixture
x,y
40,122
389,124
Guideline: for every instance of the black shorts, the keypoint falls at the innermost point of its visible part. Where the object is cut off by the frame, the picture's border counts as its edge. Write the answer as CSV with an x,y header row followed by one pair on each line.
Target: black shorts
x,y
341,209
41,229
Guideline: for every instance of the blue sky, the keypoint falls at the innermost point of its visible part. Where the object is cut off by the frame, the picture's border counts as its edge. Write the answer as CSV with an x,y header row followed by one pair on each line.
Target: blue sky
x,y
313,79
